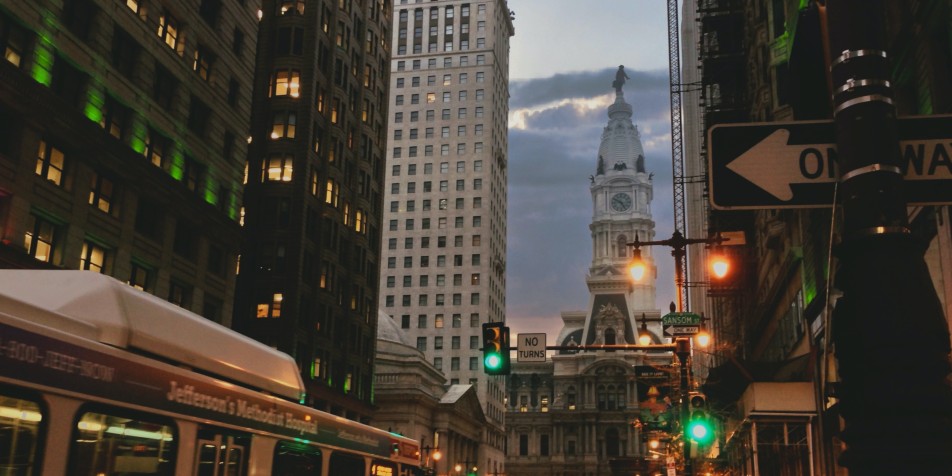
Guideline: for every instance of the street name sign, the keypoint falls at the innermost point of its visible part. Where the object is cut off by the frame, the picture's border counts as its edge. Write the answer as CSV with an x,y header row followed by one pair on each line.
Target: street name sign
x,y
675,330
530,347
681,318
793,164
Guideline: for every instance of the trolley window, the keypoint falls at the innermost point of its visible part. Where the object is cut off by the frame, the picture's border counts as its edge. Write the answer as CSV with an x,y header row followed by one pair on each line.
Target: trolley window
x,y
118,443
20,424
222,453
296,460
343,464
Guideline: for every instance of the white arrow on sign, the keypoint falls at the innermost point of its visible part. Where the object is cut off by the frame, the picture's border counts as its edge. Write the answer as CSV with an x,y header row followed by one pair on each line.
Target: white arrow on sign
x,y
774,165
680,330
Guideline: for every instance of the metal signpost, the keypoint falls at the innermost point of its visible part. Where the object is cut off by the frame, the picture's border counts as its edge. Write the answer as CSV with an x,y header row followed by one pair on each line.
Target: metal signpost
x,y
677,324
792,164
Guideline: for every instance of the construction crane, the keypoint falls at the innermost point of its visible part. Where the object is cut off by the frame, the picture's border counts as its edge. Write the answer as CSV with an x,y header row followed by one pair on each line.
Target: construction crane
x,y
677,149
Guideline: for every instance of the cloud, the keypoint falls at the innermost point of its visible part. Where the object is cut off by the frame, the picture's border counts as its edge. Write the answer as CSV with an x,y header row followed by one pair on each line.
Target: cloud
x,y
536,92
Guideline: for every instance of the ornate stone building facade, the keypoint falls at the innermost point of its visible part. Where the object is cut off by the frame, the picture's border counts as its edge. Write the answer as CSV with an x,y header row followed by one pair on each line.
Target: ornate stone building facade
x,y
574,414
413,400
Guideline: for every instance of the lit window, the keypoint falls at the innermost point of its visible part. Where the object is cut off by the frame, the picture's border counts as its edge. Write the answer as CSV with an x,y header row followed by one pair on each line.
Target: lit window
x,y
202,63
168,30
277,168
154,147
50,162
41,239
284,125
270,309
291,7
100,193
286,82
93,257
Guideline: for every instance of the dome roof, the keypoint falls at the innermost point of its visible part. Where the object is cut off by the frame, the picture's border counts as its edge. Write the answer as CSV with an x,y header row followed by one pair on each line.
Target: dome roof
x,y
621,148
387,329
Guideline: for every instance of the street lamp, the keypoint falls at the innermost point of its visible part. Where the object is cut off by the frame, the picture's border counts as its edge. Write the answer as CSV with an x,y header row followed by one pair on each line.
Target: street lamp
x,y
678,243
429,452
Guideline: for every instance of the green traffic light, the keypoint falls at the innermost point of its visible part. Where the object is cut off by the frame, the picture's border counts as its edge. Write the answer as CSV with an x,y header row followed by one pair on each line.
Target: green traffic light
x,y
701,431
493,361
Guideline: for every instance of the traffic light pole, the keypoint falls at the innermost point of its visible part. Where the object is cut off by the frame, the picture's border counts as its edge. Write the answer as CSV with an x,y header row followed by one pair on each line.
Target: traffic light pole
x,y
888,327
683,350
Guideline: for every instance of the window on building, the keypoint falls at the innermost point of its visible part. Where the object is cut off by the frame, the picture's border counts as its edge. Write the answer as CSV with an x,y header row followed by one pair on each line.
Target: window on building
x,y
50,162
284,125
285,82
101,192
41,239
168,31
277,168
203,61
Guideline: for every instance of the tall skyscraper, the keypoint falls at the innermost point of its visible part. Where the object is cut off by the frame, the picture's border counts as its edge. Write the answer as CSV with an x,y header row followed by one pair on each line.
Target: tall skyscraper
x,y
121,145
445,200
310,261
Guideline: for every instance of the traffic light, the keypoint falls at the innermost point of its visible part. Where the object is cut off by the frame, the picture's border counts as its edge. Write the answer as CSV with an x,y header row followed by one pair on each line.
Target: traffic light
x,y
495,348
700,426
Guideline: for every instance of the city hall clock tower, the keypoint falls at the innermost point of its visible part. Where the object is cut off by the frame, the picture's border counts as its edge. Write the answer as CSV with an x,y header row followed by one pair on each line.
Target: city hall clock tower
x,y
621,210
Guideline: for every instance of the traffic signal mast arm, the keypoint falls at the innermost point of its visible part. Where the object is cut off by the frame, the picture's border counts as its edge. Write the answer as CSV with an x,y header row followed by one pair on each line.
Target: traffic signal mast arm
x,y
592,347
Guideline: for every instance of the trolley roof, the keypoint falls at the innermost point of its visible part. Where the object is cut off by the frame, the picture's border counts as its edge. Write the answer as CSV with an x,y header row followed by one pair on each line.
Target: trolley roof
x,y
117,314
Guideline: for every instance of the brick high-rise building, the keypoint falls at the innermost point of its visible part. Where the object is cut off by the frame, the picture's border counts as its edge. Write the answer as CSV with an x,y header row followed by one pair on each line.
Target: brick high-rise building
x,y
310,260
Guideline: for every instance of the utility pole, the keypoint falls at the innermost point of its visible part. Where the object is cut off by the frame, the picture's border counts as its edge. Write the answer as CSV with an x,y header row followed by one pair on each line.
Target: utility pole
x,y
890,335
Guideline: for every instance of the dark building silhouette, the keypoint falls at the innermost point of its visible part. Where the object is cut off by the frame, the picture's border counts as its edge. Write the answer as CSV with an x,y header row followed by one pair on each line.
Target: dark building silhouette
x,y
121,146
311,251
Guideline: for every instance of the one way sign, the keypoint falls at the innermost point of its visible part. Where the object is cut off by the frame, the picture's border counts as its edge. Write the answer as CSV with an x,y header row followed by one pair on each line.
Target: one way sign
x,y
793,164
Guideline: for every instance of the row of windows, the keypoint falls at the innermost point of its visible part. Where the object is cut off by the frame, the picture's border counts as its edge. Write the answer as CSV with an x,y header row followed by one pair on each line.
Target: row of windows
x,y
444,168
440,300
416,65
280,168
425,281
449,45
457,322
413,151
443,204
170,32
441,223
52,164
434,30
454,361
429,133
449,12
445,114
430,97
44,238
460,186
440,242
431,81
480,8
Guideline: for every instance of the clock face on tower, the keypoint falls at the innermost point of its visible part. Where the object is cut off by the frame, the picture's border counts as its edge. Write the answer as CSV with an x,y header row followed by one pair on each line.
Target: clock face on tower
x,y
621,202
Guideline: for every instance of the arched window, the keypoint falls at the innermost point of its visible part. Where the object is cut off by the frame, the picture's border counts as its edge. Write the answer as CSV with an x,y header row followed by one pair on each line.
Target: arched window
x,y
570,398
622,246
609,336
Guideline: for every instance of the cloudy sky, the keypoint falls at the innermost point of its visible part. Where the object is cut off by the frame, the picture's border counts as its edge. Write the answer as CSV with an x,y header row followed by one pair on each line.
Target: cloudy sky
x,y
563,62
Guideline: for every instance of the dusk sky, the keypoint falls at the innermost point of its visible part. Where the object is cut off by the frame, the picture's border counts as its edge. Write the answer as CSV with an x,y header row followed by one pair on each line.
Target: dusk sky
x,y
563,61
